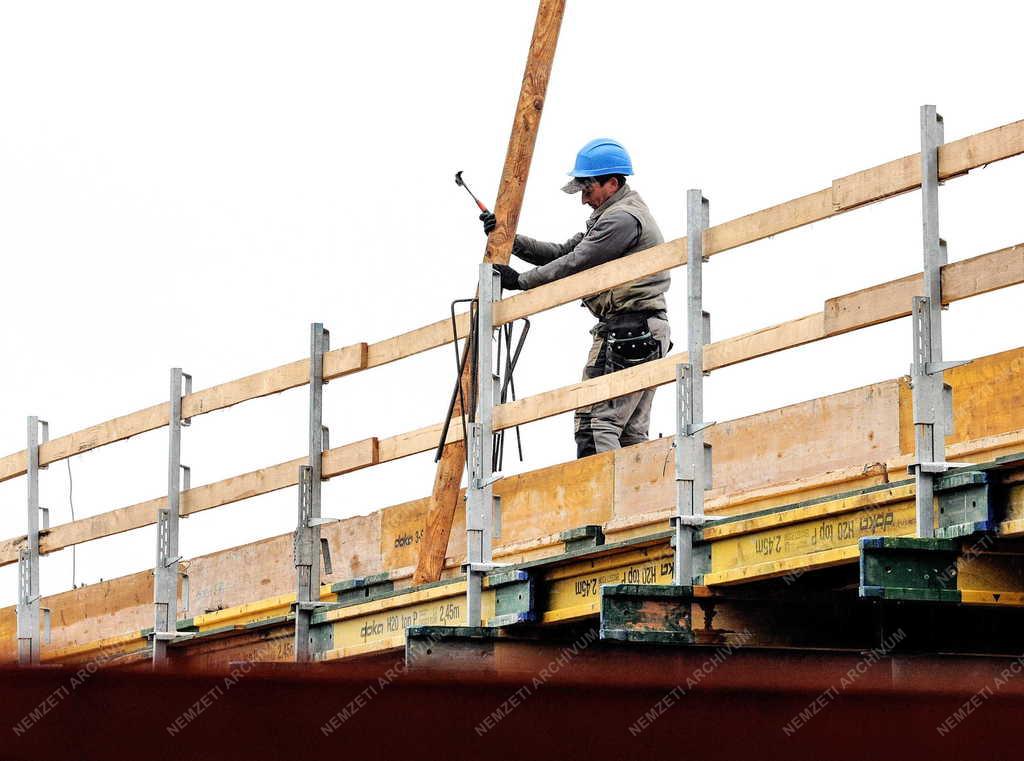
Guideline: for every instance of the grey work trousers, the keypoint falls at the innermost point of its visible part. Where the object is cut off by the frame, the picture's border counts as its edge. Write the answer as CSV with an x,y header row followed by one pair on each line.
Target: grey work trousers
x,y
622,421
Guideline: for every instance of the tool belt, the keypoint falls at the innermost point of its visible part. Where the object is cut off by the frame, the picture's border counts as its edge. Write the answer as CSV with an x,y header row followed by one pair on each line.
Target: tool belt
x,y
628,341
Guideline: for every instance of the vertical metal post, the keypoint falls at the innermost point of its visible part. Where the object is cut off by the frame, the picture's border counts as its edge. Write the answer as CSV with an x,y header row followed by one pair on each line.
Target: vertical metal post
x,y
682,571
926,372
28,558
307,530
165,572
692,460
479,489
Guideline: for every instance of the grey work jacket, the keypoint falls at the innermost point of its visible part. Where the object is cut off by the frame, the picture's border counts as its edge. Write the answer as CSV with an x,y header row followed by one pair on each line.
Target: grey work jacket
x,y
620,226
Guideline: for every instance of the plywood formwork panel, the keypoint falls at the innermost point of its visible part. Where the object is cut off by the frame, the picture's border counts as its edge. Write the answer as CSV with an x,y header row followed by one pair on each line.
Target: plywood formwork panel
x,y
988,399
848,430
216,581
556,498
401,532
227,578
89,613
534,504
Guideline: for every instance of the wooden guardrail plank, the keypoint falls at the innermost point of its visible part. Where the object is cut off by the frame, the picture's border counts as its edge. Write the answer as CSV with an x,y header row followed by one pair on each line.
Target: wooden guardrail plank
x,y
904,174
846,193
343,459
292,375
865,307
890,301
88,438
870,306
961,280
416,341
883,181
982,274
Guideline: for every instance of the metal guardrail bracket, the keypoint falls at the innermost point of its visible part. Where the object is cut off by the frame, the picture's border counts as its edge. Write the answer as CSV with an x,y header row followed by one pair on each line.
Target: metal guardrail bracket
x,y
309,545
693,455
28,608
480,508
165,571
482,568
932,402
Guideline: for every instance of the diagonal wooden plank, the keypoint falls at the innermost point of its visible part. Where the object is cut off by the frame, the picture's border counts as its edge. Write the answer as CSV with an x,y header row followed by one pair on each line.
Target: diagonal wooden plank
x,y
445,495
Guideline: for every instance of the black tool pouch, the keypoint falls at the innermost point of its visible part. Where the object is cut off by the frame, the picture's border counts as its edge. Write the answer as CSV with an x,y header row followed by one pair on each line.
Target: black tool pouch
x,y
629,341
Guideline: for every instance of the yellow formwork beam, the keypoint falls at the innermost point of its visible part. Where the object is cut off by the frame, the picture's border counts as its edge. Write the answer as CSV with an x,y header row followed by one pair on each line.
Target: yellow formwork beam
x,y
237,615
573,590
247,613
805,538
775,544
252,612
380,625
983,597
102,649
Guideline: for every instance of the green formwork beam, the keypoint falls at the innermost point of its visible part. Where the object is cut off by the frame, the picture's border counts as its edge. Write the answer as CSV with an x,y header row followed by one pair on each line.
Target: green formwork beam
x,y
351,591
647,613
514,598
582,537
321,639
965,504
904,568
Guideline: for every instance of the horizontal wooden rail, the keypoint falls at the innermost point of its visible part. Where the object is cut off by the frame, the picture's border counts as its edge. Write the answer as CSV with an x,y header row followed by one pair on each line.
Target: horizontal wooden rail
x,y
850,192
842,314
860,309
294,374
360,454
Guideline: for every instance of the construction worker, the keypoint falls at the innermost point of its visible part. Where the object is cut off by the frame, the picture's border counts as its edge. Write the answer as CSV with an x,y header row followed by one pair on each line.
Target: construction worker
x,y
632,323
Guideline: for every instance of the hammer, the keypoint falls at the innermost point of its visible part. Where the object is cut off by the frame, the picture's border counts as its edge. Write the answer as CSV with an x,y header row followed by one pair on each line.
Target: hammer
x,y
461,183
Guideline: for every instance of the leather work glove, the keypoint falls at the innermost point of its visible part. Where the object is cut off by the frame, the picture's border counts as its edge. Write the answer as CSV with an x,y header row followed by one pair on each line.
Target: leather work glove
x,y
490,222
509,277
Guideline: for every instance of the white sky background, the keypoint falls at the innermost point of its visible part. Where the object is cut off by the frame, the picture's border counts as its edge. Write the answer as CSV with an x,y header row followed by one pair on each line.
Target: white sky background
x,y
193,183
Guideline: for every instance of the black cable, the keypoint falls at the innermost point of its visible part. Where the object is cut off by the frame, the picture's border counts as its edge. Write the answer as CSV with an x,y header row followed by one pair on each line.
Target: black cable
x,y
519,438
512,381
507,386
460,367
71,504
505,333
498,442
474,360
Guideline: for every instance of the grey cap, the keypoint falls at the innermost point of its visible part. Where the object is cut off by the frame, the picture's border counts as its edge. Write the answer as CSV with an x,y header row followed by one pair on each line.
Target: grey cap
x,y
574,186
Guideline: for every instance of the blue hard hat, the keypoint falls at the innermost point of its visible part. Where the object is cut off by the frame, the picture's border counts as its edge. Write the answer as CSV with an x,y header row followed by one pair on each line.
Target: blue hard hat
x,y
599,157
